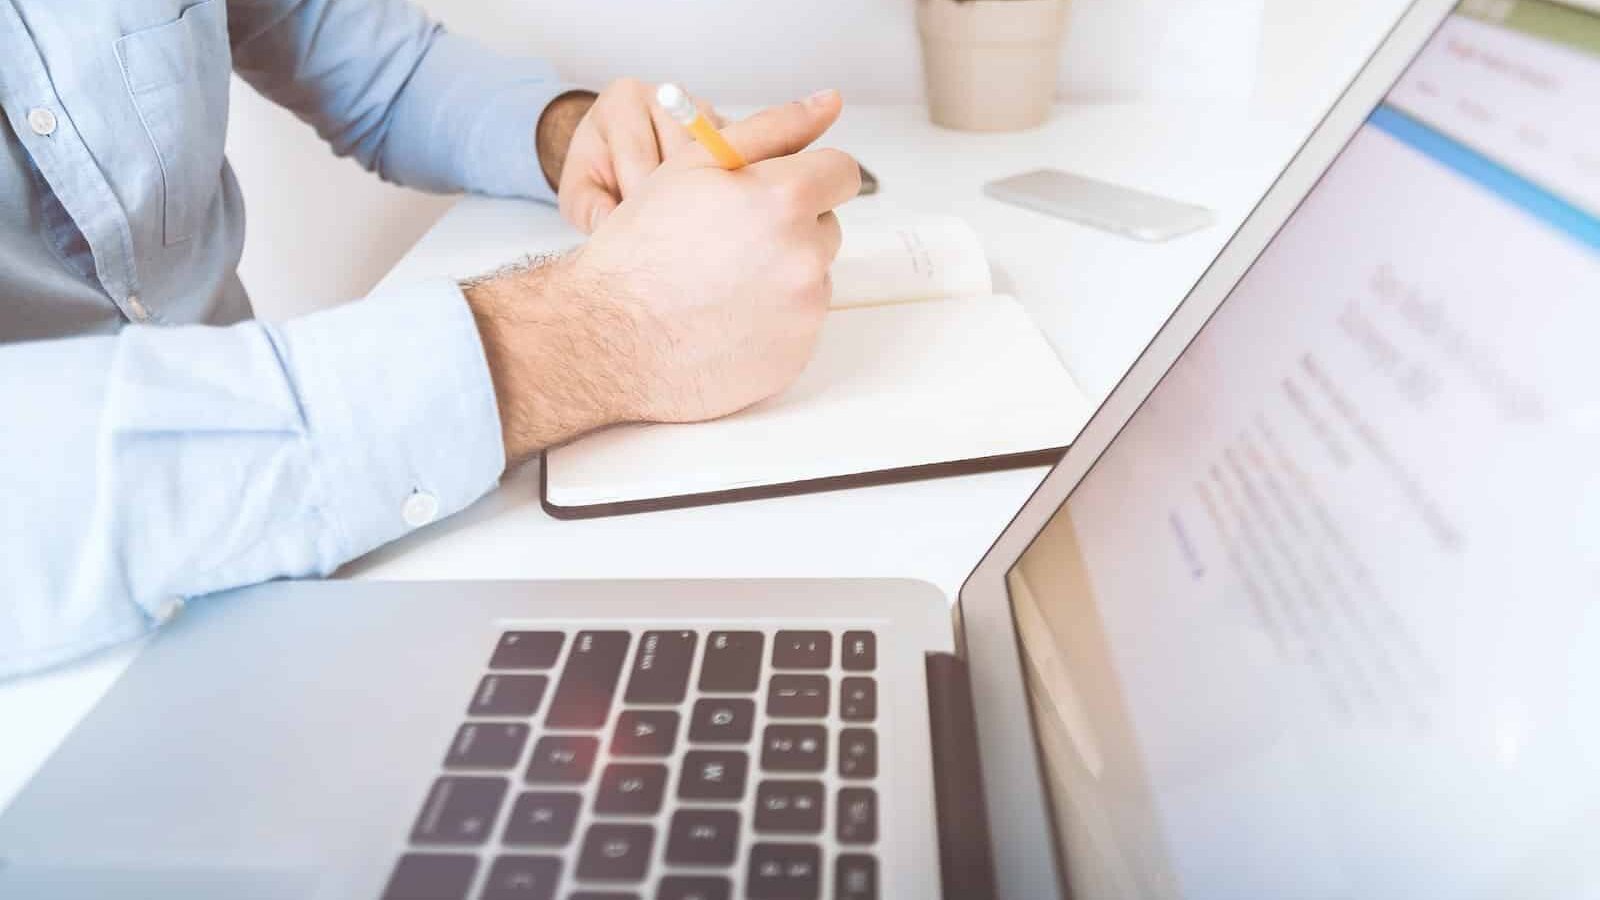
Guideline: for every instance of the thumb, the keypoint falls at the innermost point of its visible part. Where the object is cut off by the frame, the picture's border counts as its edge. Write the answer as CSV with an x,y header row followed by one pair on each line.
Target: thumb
x,y
786,129
602,207
585,202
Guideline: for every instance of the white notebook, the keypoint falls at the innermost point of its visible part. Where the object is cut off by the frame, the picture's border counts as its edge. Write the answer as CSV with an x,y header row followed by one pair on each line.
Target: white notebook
x,y
919,371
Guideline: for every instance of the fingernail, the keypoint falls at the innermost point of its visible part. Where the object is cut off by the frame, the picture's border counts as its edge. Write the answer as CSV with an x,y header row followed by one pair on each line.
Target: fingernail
x,y
821,97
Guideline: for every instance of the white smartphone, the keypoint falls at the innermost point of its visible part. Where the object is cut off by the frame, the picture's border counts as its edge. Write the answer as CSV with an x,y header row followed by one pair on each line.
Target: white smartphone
x,y
1100,204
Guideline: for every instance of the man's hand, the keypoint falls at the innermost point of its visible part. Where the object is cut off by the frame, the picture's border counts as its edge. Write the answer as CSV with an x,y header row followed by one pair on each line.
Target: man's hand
x,y
552,137
700,295
615,144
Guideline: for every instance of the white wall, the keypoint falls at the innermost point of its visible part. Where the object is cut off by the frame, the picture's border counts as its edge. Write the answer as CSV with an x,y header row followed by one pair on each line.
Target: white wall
x,y
321,230
749,51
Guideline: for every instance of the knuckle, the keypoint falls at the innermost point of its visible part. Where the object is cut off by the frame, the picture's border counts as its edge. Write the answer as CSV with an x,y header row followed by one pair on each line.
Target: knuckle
x,y
788,196
852,172
819,295
639,143
833,156
837,161
807,278
807,331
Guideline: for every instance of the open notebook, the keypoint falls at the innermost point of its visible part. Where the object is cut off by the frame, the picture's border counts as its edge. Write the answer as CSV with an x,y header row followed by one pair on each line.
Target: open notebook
x,y
920,371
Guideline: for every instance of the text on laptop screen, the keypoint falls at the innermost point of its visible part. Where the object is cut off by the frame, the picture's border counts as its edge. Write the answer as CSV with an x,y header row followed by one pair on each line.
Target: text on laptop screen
x,y
1324,619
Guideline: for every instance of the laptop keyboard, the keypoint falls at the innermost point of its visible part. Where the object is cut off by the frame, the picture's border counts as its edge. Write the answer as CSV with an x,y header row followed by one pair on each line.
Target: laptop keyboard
x,y
733,764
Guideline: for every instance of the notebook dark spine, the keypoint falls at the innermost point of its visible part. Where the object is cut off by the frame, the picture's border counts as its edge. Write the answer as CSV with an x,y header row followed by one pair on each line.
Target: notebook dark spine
x,y
1046,457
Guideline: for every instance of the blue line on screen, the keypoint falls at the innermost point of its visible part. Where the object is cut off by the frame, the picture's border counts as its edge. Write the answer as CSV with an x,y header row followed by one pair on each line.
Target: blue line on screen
x,y
1531,198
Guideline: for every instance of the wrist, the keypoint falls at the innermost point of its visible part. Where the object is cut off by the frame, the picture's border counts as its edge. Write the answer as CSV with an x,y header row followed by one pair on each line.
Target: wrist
x,y
559,355
553,133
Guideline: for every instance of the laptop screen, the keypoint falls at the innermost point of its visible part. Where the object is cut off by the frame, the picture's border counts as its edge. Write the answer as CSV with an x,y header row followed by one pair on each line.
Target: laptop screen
x,y
1324,619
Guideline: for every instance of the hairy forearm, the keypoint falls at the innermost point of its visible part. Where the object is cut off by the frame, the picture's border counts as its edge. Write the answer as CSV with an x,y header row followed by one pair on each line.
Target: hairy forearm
x,y
562,358
553,136
699,296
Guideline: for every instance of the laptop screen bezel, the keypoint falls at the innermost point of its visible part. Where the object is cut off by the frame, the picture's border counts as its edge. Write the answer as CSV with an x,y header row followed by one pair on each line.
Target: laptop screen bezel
x,y
1021,827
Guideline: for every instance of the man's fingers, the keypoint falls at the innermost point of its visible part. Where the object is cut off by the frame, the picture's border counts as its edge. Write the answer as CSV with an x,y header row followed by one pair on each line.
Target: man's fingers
x,y
711,114
634,151
832,235
817,180
603,206
786,129
670,136
586,203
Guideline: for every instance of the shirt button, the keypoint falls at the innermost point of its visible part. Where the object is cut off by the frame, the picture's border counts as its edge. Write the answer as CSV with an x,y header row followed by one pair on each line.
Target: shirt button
x,y
169,609
419,509
42,121
137,308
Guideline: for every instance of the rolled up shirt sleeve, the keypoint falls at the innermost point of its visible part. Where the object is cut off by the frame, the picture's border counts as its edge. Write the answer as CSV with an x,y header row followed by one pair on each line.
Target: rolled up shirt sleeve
x,y
385,84
161,464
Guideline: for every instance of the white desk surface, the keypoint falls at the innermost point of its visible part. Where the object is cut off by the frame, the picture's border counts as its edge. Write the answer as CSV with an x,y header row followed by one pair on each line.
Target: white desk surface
x,y
1098,297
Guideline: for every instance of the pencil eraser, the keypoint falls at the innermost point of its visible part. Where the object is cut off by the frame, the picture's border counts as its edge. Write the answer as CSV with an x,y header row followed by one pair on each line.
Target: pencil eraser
x,y
676,103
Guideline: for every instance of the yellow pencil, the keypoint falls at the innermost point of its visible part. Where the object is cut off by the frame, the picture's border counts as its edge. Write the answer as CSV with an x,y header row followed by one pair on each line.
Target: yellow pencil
x,y
678,105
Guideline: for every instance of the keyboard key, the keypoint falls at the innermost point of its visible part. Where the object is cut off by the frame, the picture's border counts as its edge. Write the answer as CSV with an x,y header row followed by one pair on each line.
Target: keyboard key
x,y
855,877
722,720
661,667
732,662
613,852
858,699
487,745
857,821
858,753
508,695
797,696
460,810
562,759
703,837
631,789
527,650
802,650
789,807
431,876
859,651
794,748
784,872
542,819
712,775
694,887
644,732
588,681
522,878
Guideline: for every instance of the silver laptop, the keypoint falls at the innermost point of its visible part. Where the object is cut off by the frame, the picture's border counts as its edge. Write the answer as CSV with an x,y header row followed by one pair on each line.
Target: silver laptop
x,y
1311,609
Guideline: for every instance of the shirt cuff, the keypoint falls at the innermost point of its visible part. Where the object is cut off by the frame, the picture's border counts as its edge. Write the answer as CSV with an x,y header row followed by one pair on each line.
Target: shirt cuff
x,y
502,159
482,109
397,394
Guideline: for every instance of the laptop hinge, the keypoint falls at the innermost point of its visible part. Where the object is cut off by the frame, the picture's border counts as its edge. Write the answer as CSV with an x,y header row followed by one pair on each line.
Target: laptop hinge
x,y
966,861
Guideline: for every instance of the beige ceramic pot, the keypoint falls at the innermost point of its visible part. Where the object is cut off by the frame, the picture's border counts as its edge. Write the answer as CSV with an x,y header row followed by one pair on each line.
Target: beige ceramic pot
x,y
991,65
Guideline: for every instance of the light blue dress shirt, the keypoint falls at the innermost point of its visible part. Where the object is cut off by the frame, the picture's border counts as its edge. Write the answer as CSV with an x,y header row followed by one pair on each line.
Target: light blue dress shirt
x,y
155,444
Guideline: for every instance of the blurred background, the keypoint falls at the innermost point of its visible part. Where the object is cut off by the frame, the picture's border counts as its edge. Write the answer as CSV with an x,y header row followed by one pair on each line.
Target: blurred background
x,y
322,230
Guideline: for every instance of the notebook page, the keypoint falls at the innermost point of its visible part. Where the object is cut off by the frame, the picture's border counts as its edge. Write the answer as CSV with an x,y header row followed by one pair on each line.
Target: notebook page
x,y
899,261
889,387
